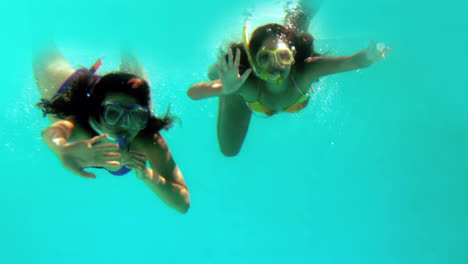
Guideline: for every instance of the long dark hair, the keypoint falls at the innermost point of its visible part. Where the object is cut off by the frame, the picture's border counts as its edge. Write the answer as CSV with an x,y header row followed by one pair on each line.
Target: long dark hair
x,y
87,92
302,44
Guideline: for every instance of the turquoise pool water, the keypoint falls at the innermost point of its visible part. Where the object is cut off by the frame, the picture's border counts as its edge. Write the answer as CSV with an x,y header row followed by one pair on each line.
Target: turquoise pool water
x,y
373,171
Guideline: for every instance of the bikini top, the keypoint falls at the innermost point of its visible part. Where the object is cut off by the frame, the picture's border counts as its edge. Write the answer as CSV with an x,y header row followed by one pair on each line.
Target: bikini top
x,y
301,102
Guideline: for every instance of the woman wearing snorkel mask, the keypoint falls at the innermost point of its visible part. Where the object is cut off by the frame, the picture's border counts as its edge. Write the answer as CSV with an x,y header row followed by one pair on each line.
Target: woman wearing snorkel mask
x,y
106,122
271,72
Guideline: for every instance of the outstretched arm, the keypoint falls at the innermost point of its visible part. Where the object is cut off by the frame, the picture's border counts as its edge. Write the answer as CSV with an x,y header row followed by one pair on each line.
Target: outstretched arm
x,y
322,66
225,79
203,90
164,177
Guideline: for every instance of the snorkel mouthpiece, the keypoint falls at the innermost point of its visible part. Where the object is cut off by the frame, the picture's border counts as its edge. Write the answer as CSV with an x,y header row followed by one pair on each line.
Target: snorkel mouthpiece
x,y
122,141
279,80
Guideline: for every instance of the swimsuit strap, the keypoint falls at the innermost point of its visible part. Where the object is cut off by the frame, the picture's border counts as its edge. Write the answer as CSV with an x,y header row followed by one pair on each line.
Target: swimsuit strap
x,y
295,84
299,89
300,104
262,86
68,83
94,78
122,171
95,66
258,107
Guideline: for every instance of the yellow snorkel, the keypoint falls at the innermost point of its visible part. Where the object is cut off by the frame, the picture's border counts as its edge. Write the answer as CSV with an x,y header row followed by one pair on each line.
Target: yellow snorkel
x,y
246,41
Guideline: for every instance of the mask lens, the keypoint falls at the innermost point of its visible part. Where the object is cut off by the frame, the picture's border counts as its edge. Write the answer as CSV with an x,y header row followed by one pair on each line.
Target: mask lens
x,y
113,114
140,117
263,57
284,56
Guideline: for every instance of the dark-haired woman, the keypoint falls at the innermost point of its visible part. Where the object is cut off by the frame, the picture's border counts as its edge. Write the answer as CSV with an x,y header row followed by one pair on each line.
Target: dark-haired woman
x,y
107,122
284,64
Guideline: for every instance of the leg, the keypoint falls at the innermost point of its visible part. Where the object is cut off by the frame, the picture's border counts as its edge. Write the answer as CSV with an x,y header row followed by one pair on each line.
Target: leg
x,y
50,69
233,123
299,18
130,63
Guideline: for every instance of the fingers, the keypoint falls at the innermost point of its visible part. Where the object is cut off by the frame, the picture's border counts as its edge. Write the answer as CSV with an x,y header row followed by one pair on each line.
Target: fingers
x,y
140,162
137,160
106,147
83,173
379,50
138,154
111,164
96,140
219,71
387,51
230,57
104,158
106,152
95,143
88,175
136,164
246,75
107,156
237,60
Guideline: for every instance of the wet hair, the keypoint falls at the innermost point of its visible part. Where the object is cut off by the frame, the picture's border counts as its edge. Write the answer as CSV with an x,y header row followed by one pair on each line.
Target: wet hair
x,y
87,92
302,44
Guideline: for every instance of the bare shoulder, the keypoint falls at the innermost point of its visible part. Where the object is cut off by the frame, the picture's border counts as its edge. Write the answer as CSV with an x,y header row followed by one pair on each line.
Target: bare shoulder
x,y
312,62
80,133
250,90
151,143
70,128
160,142
68,123
309,73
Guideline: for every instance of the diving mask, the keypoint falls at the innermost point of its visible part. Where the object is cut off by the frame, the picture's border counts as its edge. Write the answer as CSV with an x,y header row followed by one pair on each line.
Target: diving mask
x,y
136,116
268,64
281,55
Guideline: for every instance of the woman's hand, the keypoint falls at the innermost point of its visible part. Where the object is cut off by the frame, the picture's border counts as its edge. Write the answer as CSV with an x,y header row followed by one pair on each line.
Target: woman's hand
x,y
228,72
377,51
89,153
135,160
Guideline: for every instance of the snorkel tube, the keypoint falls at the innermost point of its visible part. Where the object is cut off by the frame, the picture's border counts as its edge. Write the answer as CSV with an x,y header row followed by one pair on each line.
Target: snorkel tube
x,y
246,41
122,140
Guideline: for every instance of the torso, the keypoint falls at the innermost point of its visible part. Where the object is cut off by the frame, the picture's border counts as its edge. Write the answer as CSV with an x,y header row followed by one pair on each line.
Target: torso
x,y
277,102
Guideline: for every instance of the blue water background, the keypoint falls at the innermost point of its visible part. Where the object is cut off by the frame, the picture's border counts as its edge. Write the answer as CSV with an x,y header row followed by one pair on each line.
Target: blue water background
x,y
373,171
